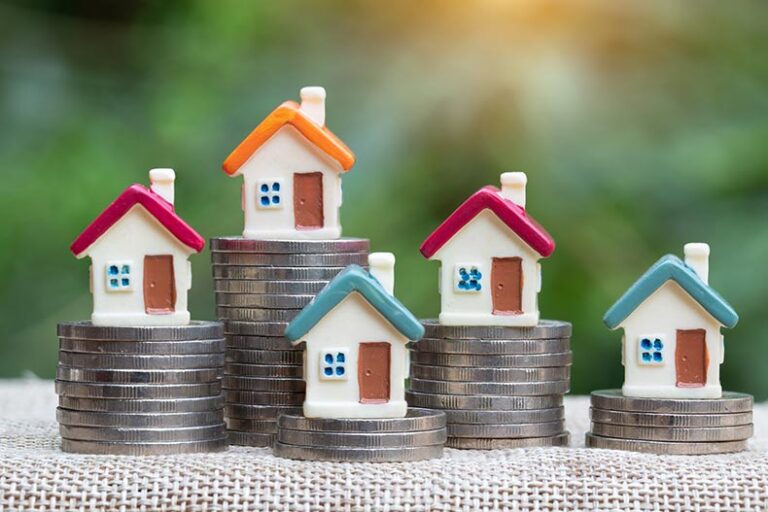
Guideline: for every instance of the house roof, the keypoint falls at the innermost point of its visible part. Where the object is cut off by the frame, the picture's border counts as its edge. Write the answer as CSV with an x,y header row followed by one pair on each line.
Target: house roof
x,y
158,207
289,113
513,215
671,267
355,279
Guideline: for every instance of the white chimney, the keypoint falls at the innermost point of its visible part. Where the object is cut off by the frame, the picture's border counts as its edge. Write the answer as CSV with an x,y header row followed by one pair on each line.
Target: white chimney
x,y
382,267
513,187
697,257
161,181
313,103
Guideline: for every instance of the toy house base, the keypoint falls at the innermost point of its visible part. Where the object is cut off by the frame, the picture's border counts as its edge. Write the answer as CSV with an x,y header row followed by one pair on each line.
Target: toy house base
x,y
469,318
708,391
353,410
136,319
328,233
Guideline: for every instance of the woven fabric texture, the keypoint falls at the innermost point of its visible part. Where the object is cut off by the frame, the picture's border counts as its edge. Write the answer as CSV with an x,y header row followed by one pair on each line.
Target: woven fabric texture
x,y
35,475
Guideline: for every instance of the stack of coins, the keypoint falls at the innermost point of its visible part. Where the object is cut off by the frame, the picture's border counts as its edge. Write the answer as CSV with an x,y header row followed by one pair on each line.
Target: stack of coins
x,y
420,435
669,425
261,285
141,390
500,387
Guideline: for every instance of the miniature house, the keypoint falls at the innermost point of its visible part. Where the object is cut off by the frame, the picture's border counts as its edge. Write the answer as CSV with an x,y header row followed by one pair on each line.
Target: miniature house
x,y
489,251
672,345
139,250
291,166
356,360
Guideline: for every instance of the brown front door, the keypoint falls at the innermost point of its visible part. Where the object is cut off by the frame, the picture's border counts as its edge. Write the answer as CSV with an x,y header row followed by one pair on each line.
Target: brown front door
x,y
308,200
691,358
373,372
159,285
507,286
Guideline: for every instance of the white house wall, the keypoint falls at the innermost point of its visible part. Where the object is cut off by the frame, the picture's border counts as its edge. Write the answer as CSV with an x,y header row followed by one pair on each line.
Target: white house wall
x,y
478,242
351,322
664,312
134,236
284,154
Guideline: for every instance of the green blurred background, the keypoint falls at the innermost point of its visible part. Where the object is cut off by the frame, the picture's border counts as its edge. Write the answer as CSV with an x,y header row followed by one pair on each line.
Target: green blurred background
x,y
641,125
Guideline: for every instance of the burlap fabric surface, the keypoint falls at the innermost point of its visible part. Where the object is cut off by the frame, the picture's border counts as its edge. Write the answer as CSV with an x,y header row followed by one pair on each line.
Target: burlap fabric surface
x,y
35,475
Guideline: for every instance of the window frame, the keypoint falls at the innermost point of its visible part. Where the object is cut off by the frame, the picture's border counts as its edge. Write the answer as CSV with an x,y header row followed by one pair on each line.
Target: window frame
x,y
468,268
652,350
120,276
334,365
270,193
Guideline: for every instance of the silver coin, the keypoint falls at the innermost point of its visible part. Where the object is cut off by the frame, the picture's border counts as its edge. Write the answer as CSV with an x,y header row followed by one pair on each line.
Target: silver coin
x,y
495,417
362,440
259,412
510,430
255,439
174,405
143,435
492,347
227,286
546,329
264,370
233,301
339,245
143,449
130,362
262,398
196,376
415,420
267,426
314,453
196,330
257,314
665,447
255,328
137,391
646,419
676,434
276,273
265,356
613,399
259,342
555,387
469,443
492,361
167,348
289,260
503,403
263,384
153,420
500,375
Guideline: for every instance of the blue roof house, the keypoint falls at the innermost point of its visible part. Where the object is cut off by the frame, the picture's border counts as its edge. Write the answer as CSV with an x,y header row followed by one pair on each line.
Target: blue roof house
x,y
356,333
672,345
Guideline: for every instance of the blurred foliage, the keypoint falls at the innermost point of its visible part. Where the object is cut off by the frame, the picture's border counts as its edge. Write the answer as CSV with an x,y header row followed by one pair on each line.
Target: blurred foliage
x,y
642,125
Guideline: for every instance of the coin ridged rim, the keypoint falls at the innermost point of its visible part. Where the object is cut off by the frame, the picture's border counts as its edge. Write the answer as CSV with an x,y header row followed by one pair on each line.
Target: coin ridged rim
x,y
263,329
140,435
238,382
241,244
664,448
167,348
259,342
107,376
136,391
506,430
229,314
492,347
259,412
146,406
195,330
544,330
235,308
491,388
482,402
483,417
416,419
150,420
258,273
276,287
143,449
677,434
468,443
264,370
289,260
670,420
314,453
498,375
259,426
145,362
254,439
264,356
362,439
237,397
614,400
493,360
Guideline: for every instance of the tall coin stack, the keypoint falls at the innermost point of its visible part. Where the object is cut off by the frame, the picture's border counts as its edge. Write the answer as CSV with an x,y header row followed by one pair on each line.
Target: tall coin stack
x,y
670,426
261,285
500,387
141,390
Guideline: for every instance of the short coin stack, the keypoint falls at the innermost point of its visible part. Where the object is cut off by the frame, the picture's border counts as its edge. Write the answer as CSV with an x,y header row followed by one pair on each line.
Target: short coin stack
x,y
420,435
670,426
500,387
141,390
261,285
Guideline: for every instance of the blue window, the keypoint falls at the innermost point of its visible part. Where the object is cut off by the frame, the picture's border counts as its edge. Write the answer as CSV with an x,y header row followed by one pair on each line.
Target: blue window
x,y
269,194
651,350
118,276
333,364
468,278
